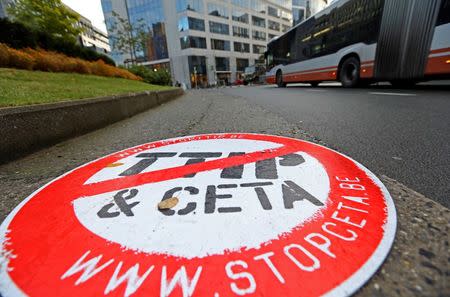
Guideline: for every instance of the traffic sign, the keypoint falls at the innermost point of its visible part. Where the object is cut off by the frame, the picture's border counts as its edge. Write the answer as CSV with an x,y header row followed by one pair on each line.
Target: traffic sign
x,y
207,215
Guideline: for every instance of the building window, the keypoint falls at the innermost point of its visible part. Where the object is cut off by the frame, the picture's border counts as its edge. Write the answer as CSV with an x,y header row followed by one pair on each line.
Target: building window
x,y
273,25
222,64
197,71
272,11
299,2
298,15
197,64
218,44
241,64
285,28
219,28
196,24
240,16
258,35
286,15
258,5
272,36
192,5
185,42
288,3
241,47
186,23
240,32
241,3
192,42
217,10
257,21
259,49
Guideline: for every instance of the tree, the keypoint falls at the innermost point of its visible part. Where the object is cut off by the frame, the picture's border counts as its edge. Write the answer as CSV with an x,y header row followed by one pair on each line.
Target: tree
x,y
129,38
50,16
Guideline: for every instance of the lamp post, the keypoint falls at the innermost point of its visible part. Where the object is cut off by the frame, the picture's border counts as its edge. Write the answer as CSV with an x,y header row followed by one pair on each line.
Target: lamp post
x,y
195,77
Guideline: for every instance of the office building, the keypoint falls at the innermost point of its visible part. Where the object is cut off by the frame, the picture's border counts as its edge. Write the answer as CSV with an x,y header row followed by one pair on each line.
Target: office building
x,y
202,42
91,37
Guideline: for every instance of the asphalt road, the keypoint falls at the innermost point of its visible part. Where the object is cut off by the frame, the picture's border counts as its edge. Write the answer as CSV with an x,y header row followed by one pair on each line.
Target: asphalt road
x,y
404,134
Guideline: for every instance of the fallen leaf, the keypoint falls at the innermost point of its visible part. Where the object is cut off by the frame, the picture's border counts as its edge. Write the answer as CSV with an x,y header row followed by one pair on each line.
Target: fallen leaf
x,y
168,203
114,165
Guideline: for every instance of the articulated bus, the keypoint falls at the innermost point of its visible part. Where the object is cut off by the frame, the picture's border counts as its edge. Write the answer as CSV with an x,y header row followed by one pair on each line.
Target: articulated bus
x,y
358,42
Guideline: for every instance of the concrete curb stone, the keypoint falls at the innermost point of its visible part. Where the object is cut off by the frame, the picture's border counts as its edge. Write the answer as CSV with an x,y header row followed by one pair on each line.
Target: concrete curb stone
x,y
419,262
27,128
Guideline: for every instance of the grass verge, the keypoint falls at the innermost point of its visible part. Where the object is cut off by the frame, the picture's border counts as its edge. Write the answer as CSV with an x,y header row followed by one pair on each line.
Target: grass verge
x,y
23,87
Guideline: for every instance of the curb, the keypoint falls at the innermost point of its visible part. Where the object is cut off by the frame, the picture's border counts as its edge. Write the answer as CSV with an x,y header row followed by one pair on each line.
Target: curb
x,y
28,128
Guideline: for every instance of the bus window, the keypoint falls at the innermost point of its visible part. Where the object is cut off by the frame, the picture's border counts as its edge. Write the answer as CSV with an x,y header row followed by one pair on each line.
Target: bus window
x,y
269,61
444,14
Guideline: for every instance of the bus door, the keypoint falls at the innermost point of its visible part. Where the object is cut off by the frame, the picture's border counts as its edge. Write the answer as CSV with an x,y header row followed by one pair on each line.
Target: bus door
x,y
406,32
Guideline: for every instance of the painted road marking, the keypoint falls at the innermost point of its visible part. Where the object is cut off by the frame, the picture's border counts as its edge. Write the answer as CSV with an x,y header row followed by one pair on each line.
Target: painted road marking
x,y
254,214
391,94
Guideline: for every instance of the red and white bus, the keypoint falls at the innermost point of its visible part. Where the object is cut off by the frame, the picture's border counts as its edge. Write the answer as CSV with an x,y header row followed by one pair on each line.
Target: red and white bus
x,y
358,42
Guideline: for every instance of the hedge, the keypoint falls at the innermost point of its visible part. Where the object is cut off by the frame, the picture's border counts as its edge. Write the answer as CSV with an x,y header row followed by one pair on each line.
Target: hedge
x,y
19,36
158,77
32,59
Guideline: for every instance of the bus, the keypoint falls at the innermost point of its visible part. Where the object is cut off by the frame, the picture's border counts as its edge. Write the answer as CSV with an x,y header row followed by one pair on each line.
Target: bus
x,y
358,42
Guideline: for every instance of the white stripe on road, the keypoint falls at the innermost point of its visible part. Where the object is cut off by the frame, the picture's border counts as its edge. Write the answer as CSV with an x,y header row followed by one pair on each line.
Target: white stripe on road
x,y
391,94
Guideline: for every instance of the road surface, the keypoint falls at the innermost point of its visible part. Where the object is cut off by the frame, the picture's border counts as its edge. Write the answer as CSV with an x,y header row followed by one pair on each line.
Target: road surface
x,y
404,134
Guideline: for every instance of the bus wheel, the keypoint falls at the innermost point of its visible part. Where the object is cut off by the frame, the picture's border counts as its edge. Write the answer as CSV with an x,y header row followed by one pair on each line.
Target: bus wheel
x,y
314,84
279,78
349,73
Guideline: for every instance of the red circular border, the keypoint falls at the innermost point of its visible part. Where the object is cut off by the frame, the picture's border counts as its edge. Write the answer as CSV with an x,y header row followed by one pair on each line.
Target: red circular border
x,y
47,239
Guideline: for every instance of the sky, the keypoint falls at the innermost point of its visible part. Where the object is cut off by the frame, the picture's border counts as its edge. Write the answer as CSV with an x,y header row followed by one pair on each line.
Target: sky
x,y
92,9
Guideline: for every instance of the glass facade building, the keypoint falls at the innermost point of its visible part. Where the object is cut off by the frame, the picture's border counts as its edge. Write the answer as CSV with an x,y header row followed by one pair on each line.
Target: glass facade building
x,y
146,17
206,42
150,13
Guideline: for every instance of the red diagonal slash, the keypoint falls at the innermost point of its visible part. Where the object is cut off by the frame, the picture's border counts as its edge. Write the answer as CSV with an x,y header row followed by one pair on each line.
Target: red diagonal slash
x,y
177,172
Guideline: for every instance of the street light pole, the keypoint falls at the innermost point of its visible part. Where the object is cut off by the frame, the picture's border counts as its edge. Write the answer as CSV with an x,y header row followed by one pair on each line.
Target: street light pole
x,y
195,77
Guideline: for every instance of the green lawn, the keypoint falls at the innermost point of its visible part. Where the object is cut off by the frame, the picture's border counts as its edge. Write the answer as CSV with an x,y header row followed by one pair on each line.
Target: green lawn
x,y
22,87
